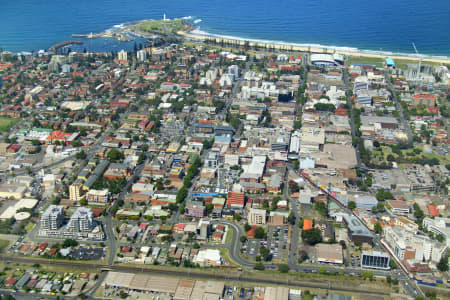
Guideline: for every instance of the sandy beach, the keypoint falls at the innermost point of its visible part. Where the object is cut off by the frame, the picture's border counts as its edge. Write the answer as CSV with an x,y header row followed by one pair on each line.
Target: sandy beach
x,y
293,47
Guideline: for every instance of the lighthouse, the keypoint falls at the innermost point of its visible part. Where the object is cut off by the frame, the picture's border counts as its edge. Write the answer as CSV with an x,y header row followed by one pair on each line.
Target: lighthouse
x,y
164,17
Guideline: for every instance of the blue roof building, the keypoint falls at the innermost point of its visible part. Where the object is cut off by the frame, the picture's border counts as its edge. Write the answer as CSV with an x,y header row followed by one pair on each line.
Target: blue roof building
x,y
390,62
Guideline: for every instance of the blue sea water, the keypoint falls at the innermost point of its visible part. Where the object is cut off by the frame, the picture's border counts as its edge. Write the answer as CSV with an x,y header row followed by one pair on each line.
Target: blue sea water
x,y
387,25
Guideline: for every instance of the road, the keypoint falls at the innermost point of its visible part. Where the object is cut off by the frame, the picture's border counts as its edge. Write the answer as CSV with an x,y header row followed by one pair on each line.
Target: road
x,y
352,119
295,229
398,106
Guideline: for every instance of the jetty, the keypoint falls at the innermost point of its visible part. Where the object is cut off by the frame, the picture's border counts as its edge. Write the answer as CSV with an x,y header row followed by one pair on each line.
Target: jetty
x,y
65,43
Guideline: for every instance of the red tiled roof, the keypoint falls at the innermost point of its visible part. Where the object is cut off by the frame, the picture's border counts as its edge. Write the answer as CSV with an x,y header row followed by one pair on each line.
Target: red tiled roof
x,y
235,198
434,212
424,96
307,224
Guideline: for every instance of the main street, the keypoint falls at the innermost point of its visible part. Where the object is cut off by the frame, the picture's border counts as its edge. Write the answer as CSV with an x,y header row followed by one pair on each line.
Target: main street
x,y
398,106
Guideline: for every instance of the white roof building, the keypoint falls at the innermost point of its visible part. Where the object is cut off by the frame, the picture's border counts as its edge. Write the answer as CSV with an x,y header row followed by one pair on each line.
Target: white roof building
x,y
208,257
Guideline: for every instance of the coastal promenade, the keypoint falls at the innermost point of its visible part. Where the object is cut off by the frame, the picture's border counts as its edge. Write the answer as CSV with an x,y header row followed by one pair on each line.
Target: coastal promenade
x,y
295,47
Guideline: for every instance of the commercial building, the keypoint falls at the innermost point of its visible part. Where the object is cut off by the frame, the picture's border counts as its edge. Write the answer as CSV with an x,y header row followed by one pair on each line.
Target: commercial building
x,y
12,211
15,191
406,245
208,257
321,59
256,216
255,170
365,202
235,200
356,230
375,260
53,217
398,207
276,293
329,253
178,288
406,224
438,226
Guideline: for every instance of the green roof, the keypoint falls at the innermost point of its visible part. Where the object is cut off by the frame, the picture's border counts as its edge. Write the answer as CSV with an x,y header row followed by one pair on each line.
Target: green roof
x,y
39,129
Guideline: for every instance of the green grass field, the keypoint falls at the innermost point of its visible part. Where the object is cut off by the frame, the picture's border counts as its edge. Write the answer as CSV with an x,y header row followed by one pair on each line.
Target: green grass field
x,y
378,61
354,60
159,26
6,123
3,245
229,236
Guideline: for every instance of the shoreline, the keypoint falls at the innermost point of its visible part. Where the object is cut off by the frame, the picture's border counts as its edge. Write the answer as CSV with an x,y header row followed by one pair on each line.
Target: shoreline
x,y
197,34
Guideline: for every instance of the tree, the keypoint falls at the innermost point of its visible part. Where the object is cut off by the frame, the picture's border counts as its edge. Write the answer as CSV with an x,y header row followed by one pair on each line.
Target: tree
x,y
392,264
209,208
291,218
383,195
260,232
390,157
247,227
367,275
296,165
265,253
352,205
378,229
70,243
115,155
418,213
83,201
325,107
238,217
302,256
243,238
380,207
443,264
122,294
196,245
312,236
440,237
81,155
283,268
259,266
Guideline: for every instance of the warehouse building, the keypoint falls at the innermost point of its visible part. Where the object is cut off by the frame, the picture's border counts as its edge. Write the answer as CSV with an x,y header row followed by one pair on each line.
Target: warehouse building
x,y
180,289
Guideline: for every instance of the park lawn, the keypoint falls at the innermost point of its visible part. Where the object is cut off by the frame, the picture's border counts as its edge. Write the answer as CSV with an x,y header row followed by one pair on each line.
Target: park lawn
x,y
354,60
444,159
402,63
229,236
6,123
3,245
158,26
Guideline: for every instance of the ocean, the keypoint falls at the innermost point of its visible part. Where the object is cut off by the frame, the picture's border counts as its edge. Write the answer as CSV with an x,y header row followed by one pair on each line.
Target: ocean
x,y
381,25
